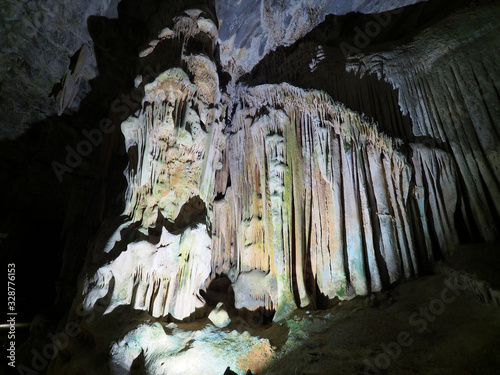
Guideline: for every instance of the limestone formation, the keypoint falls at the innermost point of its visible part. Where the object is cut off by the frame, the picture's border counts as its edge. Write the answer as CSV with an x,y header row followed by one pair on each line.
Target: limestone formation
x,y
305,192
318,197
219,316
251,30
452,98
165,278
287,192
294,198
174,145
41,36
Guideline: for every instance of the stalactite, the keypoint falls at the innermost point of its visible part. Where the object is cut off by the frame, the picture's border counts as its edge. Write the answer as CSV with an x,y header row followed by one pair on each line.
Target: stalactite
x,y
321,179
453,100
175,143
301,196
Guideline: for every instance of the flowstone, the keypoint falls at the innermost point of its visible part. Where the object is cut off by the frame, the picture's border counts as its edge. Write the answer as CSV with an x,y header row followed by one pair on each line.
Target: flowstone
x,y
293,198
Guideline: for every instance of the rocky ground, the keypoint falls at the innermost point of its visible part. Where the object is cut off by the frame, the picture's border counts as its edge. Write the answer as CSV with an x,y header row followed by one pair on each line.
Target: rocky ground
x,y
431,325
416,329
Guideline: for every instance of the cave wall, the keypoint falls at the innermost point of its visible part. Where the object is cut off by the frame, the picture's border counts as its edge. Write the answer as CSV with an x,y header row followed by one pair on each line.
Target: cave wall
x,y
52,49
302,198
285,189
321,200
41,38
448,82
249,31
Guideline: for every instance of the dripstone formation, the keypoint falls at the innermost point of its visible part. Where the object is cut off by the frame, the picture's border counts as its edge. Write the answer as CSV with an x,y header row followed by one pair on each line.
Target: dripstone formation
x,y
293,191
271,197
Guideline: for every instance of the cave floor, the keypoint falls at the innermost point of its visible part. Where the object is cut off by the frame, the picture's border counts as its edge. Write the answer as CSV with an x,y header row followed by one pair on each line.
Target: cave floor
x,y
422,327
481,260
428,326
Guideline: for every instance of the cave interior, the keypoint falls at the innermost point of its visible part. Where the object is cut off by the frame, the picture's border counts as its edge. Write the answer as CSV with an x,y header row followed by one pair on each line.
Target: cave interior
x,y
268,187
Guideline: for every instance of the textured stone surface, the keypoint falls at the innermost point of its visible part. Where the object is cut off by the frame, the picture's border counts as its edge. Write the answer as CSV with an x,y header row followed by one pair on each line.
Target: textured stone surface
x,y
342,339
254,289
301,196
134,345
174,144
304,172
249,30
448,83
39,39
219,316
330,201
288,197
165,278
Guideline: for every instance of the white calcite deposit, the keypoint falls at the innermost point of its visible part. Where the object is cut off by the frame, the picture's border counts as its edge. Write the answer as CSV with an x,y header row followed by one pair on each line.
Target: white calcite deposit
x,y
291,197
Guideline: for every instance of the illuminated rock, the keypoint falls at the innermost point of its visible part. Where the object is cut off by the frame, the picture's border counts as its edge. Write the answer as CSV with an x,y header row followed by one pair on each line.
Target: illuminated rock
x,y
317,197
174,144
254,289
302,196
452,98
287,197
163,279
219,316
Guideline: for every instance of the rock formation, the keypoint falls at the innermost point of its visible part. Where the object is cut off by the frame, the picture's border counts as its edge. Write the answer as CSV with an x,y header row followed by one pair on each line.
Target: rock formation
x,y
287,194
174,145
42,38
294,197
448,60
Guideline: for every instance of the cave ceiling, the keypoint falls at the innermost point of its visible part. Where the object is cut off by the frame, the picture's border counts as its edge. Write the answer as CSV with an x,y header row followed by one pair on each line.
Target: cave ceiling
x,y
48,57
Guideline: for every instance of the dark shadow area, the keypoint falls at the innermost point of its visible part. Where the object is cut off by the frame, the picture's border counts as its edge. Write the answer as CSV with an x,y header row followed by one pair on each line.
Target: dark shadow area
x,y
482,261
192,213
219,290
138,364
231,372
256,321
322,301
